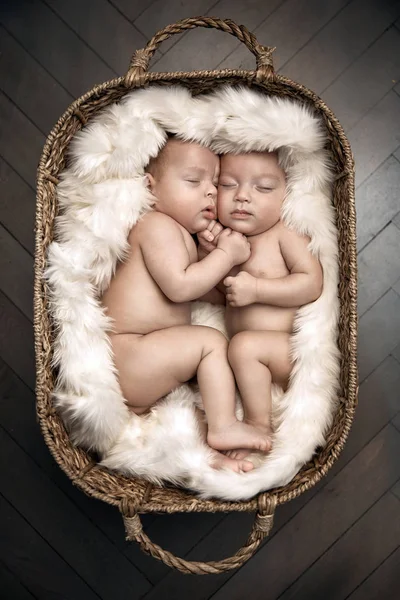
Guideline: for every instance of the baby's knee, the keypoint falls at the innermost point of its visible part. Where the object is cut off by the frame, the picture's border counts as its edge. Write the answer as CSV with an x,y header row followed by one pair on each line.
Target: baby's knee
x,y
241,347
214,340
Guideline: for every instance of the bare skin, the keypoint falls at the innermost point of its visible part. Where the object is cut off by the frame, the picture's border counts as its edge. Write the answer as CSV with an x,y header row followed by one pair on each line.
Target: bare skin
x,y
264,292
155,346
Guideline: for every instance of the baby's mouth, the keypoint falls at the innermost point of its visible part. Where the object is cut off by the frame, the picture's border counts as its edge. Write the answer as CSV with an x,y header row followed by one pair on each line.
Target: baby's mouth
x,y
240,213
209,212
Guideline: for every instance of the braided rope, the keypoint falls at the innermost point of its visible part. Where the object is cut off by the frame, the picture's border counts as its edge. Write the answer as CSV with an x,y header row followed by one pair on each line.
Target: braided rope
x,y
262,526
140,60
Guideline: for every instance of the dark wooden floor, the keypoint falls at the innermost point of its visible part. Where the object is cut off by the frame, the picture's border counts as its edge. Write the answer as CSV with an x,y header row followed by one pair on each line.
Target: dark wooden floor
x,y
340,540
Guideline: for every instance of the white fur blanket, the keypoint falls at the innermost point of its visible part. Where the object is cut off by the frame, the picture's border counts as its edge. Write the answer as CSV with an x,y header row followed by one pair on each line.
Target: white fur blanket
x,y
101,196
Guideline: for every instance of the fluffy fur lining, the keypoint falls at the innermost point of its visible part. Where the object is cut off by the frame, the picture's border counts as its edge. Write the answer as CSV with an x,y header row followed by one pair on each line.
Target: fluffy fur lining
x,y
102,194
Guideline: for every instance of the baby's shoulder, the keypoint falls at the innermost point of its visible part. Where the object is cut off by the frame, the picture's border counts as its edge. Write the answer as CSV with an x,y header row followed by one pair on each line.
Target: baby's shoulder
x,y
155,223
287,233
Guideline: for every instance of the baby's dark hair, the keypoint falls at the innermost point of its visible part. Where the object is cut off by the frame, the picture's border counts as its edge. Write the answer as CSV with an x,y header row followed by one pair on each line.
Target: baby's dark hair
x,y
157,163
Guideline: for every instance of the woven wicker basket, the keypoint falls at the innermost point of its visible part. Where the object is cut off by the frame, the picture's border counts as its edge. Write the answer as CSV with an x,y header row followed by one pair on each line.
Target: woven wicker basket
x,y
135,496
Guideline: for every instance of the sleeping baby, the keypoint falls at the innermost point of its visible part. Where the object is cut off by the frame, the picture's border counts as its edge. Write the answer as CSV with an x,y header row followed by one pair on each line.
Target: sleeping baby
x,y
155,347
263,293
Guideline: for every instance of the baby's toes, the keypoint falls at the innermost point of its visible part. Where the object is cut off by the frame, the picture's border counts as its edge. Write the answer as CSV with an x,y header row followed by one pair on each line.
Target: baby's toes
x,y
231,453
245,465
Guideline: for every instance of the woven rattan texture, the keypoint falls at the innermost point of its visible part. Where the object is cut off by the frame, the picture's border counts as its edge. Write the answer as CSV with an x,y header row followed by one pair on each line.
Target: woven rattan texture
x,y
132,495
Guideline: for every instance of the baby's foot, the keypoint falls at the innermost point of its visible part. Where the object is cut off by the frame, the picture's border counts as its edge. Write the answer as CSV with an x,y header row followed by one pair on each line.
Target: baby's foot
x,y
221,461
240,435
241,453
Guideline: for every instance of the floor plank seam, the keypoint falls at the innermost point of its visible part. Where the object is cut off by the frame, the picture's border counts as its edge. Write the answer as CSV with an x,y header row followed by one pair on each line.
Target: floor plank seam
x,y
364,181
66,495
78,36
36,60
25,115
315,34
372,572
18,174
7,568
357,58
18,242
335,542
14,508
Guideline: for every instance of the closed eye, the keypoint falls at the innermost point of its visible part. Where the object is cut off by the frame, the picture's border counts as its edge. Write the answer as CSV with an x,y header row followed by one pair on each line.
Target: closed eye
x,y
227,185
193,180
264,189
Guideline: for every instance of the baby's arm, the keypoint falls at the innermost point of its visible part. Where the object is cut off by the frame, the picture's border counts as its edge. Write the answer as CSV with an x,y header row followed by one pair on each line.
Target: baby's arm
x,y
207,243
301,286
305,281
167,259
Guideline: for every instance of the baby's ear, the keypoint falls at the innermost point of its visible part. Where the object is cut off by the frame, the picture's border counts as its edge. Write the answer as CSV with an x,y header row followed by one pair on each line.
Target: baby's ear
x,y
149,181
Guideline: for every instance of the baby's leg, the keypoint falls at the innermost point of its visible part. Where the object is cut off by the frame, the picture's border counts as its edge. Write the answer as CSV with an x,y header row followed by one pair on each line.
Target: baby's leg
x,y
152,365
259,358
218,459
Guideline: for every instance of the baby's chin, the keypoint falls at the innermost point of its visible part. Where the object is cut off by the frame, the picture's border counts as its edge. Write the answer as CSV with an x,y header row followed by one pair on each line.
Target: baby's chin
x,y
246,227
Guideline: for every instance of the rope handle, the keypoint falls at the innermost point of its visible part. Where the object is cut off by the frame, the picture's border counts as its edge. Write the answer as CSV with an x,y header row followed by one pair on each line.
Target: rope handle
x,y
261,528
140,60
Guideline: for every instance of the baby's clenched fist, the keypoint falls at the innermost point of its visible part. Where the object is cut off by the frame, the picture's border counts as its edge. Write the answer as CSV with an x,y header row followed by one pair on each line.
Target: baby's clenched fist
x,y
241,290
236,246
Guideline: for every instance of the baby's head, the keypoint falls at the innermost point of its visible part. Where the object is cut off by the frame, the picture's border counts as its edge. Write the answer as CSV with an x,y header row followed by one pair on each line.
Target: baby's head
x,y
251,190
183,178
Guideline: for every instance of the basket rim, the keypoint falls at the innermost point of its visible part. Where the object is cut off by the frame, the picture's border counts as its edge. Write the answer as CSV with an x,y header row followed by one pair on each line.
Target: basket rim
x,y
88,477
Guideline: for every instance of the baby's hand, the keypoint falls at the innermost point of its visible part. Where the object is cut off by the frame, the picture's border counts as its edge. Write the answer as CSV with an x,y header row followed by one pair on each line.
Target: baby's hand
x,y
236,245
209,237
241,290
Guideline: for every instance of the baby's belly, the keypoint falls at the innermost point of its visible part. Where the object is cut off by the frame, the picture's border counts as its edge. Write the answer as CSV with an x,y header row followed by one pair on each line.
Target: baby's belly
x,y
146,313
259,317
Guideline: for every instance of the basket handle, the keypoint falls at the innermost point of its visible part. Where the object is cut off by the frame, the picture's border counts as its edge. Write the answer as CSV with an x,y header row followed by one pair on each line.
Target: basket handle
x,y
139,64
261,528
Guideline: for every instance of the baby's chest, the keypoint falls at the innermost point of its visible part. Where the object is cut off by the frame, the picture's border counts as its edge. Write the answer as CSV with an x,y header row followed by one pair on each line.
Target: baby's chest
x,y
266,260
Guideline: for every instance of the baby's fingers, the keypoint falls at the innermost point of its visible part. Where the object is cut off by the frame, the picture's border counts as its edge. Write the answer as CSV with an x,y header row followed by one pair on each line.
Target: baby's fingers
x,y
228,281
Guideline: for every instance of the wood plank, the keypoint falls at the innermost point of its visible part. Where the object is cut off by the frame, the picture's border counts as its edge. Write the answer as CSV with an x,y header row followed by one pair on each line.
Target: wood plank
x,y
378,403
376,136
396,488
303,538
340,42
396,220
354,556
352,95
35,563
64,527
379,190
130,9
110,34
21,151
215,45
396,423
289,28
396,353
29,86
17,198
67,58
16,266
18,418
379,332
319,524
16,341
378,267
382,583
11,587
